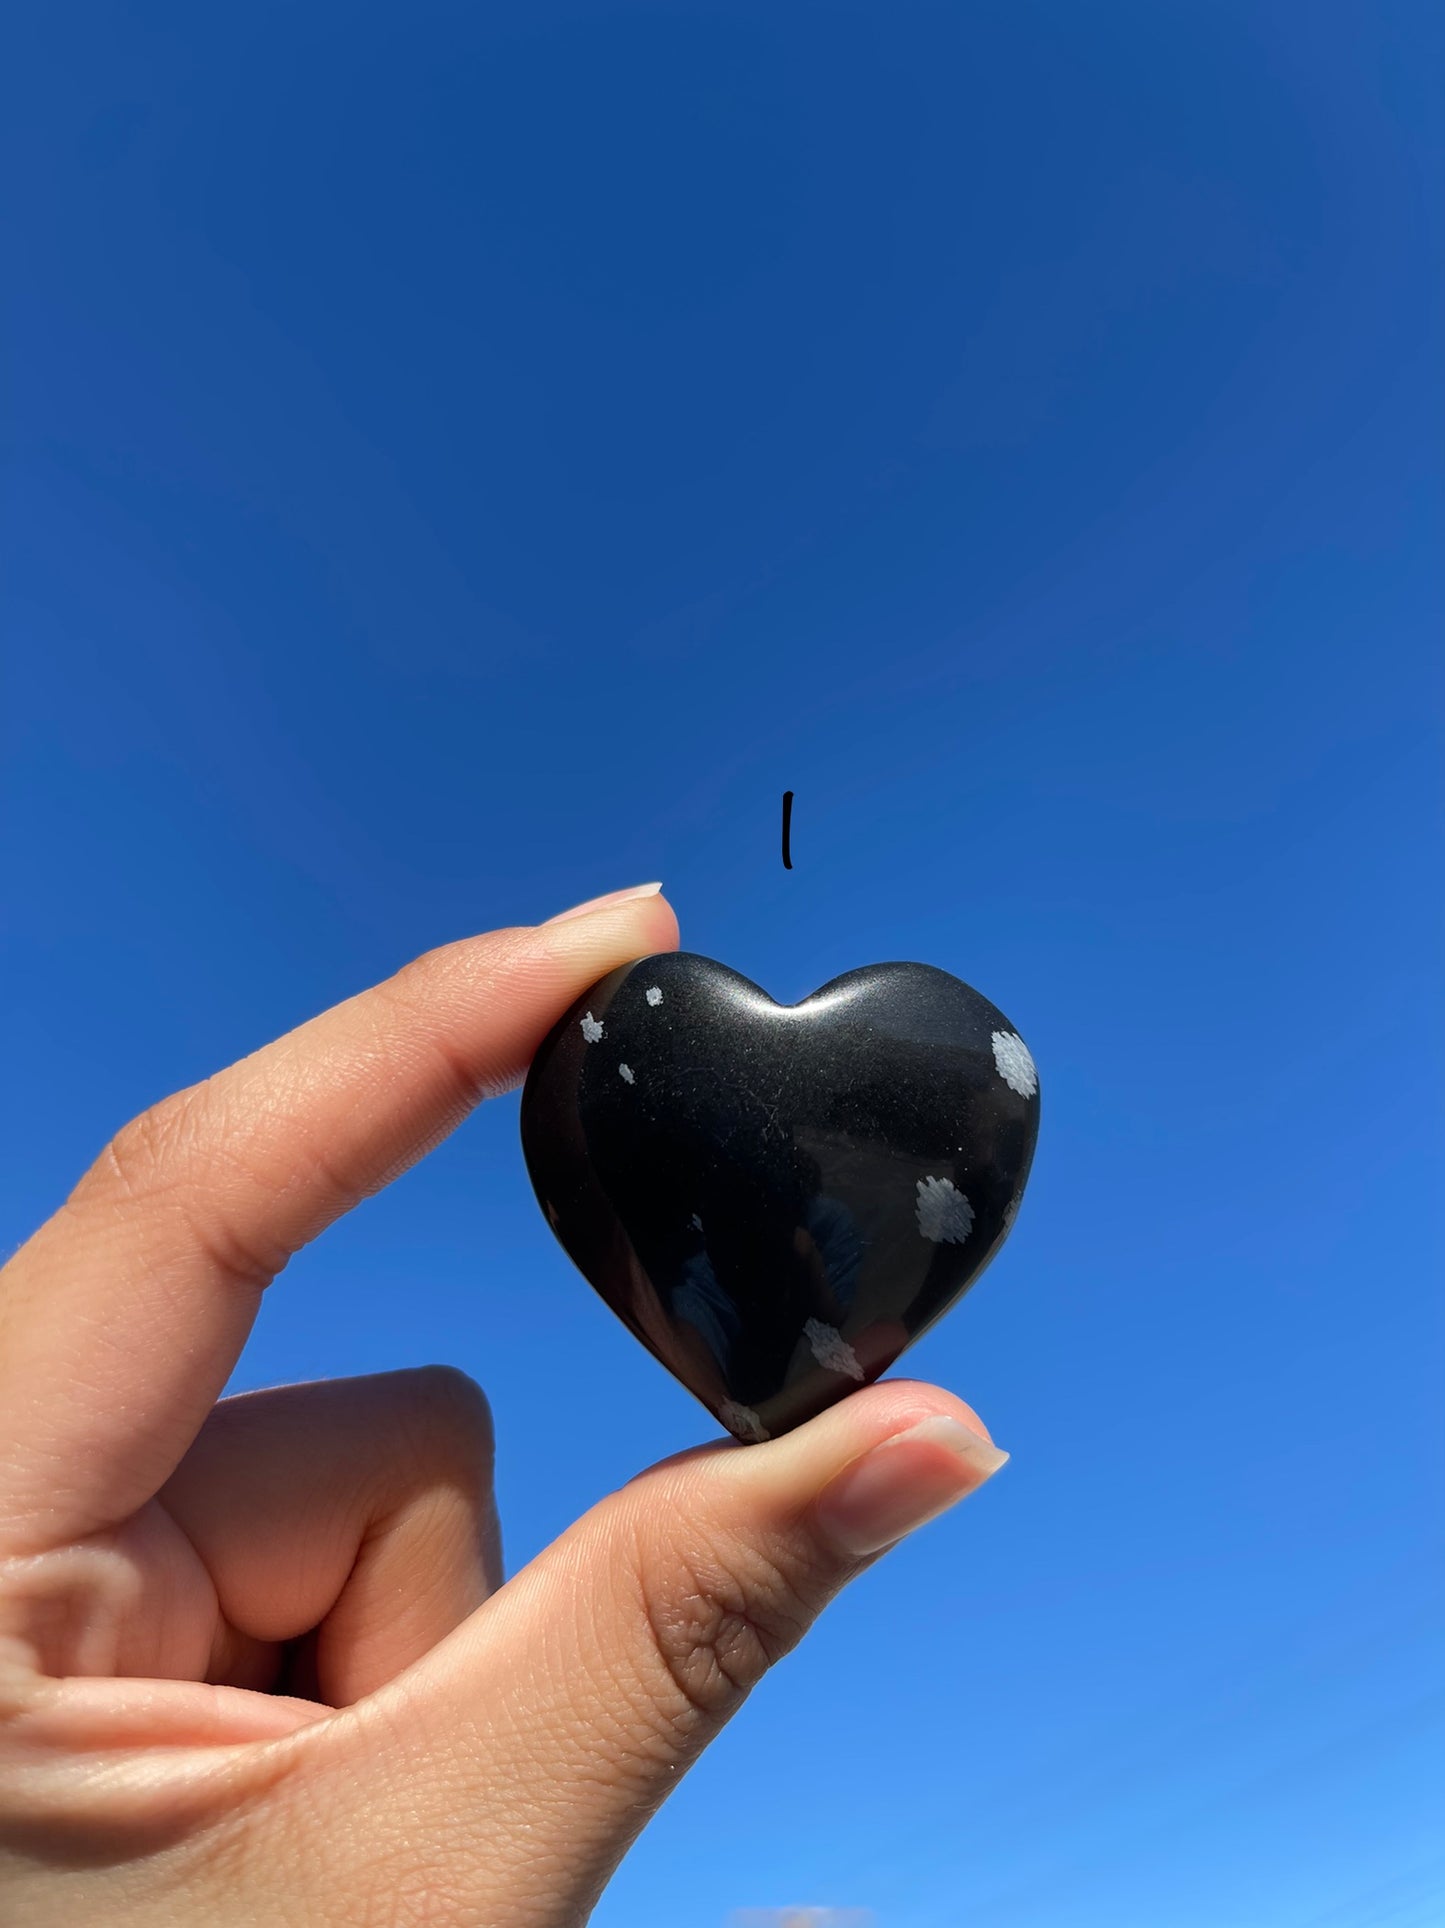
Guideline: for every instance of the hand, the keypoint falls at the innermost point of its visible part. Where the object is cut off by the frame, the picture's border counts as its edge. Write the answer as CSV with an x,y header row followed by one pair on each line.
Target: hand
x,y
257,1665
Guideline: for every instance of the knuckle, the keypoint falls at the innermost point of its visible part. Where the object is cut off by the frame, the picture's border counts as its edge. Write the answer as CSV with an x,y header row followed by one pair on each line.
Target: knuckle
x,y
144,1150
171,1159
245,1258
474,972
718,1616
472,967
448,1411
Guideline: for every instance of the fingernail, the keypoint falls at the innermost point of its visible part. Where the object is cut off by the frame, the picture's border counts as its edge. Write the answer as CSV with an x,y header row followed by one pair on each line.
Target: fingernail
x,y
605,903
902,1484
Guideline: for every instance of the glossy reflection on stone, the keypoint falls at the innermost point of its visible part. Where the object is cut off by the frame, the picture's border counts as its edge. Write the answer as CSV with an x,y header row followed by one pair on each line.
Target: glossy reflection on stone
x,y
778,1199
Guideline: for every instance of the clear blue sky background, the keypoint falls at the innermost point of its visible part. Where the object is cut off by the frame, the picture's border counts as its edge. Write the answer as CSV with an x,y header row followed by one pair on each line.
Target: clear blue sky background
x,y
464,458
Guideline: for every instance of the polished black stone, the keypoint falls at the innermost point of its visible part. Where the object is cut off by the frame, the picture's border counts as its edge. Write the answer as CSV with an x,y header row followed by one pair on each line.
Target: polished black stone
x,y
778,1199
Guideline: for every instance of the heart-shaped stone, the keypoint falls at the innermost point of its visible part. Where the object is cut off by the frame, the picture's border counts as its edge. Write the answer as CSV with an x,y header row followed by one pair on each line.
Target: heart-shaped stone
x,y
778,1199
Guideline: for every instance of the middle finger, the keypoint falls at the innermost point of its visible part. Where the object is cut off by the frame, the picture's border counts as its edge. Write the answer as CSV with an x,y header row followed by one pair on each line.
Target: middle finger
x,y
354,1517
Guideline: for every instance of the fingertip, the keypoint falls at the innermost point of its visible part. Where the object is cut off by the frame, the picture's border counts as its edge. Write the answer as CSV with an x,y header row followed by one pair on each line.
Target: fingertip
x,y
947,1405
785,1473
632,924
606,901
902,1484
875,1413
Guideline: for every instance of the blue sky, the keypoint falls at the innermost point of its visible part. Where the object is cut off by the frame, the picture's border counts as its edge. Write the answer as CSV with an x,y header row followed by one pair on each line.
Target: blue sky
x,y
464,459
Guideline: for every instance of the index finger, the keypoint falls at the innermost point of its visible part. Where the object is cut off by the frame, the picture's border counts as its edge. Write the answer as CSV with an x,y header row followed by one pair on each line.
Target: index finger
x,y
123,1317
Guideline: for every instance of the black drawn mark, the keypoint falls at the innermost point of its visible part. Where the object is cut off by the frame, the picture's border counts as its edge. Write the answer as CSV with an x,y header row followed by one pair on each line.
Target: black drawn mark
x,y
787,829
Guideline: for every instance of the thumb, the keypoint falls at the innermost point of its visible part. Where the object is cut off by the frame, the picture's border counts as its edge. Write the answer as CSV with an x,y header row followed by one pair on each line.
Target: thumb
x,y
540,1737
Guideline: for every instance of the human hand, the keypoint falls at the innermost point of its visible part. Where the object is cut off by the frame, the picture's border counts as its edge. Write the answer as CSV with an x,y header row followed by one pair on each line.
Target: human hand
x,y
257,1664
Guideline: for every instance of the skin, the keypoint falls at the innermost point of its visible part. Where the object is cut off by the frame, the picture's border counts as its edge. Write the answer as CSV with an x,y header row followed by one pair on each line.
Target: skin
x,y
257,1663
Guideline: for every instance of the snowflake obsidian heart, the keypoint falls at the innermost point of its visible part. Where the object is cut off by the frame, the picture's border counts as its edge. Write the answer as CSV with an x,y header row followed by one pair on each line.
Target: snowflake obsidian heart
x,y
778,1199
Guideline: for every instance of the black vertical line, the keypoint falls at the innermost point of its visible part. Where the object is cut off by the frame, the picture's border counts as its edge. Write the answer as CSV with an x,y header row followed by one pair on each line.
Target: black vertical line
x,y
787,828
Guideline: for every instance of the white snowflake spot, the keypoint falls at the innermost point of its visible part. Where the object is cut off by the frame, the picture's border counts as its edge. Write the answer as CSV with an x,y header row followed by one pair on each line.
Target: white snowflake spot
x,y
742,1422
831,1349
591,1029
944,1214
654,994
1015,1063
626,1071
